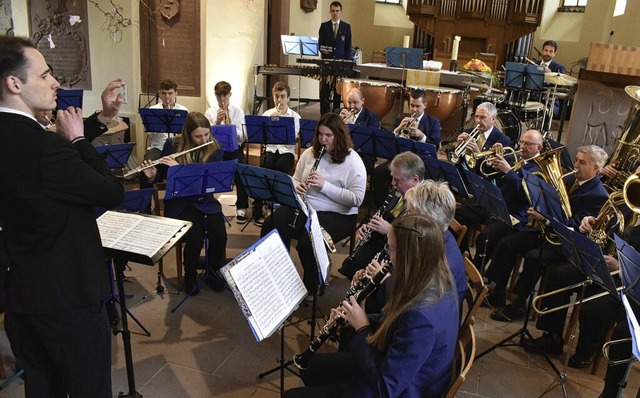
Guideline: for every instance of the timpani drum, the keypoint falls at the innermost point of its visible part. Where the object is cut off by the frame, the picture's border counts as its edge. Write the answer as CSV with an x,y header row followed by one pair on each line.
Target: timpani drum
x,y
379,95
506,122
495,99
442,102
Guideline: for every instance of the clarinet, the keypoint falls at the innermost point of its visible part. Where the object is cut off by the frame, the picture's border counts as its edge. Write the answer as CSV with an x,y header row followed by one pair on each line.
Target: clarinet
x,y
306,185
367,236
361,290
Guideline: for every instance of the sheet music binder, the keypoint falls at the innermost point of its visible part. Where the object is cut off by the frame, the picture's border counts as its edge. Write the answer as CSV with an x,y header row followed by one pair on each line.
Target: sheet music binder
x,y
299,45
316,236
116,155
67,98
266,284
127,235
162,120
226,135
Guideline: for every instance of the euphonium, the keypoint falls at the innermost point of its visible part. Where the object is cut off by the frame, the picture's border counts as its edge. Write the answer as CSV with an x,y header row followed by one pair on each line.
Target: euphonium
x,y
405,132
486,157
627,154
456,154
361,290
610,219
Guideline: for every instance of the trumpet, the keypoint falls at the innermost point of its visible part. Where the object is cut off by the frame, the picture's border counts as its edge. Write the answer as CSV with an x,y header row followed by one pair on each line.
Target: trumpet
x,y
306,185
226,119
458,152
361,291
281,110
486,157
405,132
350,117
158,161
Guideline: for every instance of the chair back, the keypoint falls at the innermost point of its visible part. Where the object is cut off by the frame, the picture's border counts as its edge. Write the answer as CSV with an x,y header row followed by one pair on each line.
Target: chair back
x,y
463,359
476,292
459,230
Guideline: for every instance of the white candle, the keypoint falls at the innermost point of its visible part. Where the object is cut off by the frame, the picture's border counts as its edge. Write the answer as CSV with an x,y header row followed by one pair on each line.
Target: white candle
x,y
454,51
405,42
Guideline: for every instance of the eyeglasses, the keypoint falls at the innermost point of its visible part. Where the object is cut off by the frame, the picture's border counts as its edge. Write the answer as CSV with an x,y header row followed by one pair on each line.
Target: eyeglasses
x,y
526,143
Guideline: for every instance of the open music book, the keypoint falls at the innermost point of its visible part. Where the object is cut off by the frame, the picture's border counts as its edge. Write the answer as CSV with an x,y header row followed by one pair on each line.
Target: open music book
x,y
147,236
266,284
318,242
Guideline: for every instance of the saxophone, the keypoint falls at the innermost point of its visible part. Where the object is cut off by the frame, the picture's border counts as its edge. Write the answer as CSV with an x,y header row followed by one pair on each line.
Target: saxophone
x,y
367,236
627,154
361,290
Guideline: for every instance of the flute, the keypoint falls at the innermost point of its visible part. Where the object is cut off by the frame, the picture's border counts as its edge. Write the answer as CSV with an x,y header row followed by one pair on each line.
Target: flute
x,y
158,161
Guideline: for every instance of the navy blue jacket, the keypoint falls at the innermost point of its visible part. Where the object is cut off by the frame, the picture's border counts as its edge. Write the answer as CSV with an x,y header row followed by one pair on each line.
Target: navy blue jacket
x,y
555,67
428,125
341,44
514,195
586,200
365,118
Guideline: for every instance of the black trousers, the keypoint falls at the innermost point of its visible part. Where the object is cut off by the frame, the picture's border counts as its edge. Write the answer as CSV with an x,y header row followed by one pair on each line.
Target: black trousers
x,y
339,226
282,162
67,353
381,182
328,375
242,199
364,256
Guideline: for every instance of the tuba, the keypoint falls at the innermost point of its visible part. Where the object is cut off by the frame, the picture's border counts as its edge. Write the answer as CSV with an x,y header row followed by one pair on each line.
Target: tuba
x,y
610,218
627,154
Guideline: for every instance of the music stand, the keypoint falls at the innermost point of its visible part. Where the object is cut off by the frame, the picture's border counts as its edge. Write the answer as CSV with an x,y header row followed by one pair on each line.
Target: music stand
x,y
162,120
199,181
542,196
406,58
438,170
67,98
116,155
226,135
299,45
417,147
629,267
373,141
123,256
307,131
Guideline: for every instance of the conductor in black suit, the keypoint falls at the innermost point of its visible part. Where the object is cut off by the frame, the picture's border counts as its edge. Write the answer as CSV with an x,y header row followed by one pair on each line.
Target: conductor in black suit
x,y
56,324
334,41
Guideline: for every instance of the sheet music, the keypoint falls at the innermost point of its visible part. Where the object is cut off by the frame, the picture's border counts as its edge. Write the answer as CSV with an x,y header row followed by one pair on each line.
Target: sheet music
x,y
135,233
268,283
319,249
633,325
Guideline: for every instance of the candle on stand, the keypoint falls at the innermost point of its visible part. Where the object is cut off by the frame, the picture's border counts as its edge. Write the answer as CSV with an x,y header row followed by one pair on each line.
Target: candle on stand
x,y
454,51
405,42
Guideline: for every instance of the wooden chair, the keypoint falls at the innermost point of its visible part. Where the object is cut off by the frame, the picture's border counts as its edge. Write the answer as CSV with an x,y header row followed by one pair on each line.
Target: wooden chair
x,y
458,230
463,359
476,292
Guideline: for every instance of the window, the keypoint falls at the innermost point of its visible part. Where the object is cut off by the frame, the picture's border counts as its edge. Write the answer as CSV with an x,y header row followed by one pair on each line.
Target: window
x,y
389,1
572,6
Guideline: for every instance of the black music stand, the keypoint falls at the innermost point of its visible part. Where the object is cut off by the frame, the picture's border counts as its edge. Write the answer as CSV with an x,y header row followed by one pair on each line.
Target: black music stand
x,y
489,197
226,135
299,45
542,196
406,58
122,257
199,181
67,98
630,268
438,170
116,155
162,120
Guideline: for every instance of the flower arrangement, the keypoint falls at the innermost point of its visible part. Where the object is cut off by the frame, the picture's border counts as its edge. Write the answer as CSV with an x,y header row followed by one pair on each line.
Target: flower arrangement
x,y
477,65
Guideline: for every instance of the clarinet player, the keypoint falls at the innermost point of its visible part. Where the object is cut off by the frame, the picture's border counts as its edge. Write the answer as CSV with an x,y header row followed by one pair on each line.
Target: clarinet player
x,y
335,190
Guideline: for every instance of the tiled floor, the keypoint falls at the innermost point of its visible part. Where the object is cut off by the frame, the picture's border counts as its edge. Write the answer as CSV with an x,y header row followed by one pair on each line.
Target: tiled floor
x,y
206,348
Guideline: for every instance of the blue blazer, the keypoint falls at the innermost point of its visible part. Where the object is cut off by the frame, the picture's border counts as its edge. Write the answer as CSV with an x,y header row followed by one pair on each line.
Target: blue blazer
x,y
366,118
341,44
494,137
555,67
418,356
586,200
428,125
456,264
514,195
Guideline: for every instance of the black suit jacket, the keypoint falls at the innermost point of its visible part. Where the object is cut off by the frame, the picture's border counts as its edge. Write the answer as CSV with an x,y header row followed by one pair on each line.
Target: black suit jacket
x,y
341,44
49,189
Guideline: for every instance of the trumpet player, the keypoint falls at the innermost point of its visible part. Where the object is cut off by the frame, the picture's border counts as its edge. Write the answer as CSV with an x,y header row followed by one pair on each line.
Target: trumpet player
x,y
355,112
223,112
422,127
278,157
586,197
485,118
